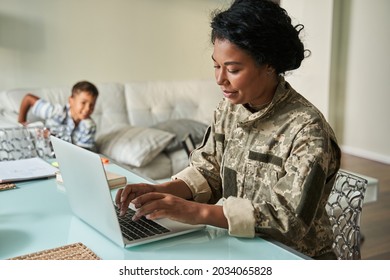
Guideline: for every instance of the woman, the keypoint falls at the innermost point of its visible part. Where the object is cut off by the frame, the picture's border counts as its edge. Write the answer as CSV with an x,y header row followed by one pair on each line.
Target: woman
x,y
269,157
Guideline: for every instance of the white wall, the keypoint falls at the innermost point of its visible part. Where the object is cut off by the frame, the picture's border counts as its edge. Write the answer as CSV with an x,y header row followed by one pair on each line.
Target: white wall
x,y
364,93
58,42
312,78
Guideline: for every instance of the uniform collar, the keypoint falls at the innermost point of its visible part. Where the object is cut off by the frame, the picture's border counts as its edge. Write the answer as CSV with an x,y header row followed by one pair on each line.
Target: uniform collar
x,y
281,93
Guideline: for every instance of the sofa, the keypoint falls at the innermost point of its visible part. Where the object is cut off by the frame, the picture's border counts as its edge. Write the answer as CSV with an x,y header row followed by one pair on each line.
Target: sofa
x,y
140,125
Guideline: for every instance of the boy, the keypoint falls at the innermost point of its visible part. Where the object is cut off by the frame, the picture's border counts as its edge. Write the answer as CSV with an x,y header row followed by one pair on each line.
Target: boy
x,y
75,117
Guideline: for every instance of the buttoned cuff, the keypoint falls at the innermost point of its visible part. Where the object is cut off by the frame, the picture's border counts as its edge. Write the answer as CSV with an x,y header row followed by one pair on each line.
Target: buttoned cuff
x,y
198,185
240,215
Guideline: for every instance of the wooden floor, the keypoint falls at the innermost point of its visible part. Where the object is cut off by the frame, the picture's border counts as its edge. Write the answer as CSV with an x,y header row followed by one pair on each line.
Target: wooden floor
x,y
375,221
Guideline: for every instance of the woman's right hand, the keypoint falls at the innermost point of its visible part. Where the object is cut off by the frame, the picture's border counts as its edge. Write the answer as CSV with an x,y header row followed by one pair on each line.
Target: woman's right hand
x,y
125,195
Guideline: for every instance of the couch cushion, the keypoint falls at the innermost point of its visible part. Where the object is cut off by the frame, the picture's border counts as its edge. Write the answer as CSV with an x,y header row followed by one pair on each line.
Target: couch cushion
x,y
110,109
136,146
12,98
179,160
159,168
149,103
182,127
8,118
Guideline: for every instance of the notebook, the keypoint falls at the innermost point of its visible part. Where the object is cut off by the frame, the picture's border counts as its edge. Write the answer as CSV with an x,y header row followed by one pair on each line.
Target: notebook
x,y
90,198
25,169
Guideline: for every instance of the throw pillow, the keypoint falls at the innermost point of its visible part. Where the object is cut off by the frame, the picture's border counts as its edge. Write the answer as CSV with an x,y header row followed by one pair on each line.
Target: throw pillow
x,y
136,146
181,127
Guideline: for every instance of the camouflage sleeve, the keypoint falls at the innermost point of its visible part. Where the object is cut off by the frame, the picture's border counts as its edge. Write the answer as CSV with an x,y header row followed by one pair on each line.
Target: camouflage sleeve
x,y
198,185
205,164
239,213
297,195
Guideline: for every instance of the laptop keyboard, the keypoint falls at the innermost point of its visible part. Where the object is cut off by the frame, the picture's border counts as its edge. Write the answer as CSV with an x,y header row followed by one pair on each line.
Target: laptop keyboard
x,y
139,229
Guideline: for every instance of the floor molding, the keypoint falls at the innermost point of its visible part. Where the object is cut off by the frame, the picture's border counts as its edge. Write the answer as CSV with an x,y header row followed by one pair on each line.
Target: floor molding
x,y
365,154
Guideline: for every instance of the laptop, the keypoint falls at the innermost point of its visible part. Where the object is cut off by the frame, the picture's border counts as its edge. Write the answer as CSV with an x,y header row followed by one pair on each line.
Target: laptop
x,y
90,199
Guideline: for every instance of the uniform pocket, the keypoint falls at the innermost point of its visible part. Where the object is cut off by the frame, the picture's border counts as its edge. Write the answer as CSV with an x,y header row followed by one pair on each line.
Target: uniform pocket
x,y
262,172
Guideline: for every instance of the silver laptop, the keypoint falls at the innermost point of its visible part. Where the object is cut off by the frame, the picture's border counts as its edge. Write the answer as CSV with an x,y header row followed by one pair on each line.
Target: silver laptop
x,y
90,199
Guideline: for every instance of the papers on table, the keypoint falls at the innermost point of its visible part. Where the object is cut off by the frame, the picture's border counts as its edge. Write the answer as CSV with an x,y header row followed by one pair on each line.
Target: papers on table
x,y
25,169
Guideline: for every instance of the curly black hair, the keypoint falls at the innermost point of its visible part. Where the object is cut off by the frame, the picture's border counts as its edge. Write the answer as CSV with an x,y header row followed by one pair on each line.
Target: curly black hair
x,y
262,29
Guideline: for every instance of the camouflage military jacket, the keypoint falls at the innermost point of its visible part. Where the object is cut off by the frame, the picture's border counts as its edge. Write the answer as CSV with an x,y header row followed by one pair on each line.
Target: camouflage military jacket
x,y
273,168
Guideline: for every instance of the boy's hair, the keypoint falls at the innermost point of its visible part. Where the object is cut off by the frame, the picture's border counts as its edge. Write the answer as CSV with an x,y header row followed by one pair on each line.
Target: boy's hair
x,y
85,86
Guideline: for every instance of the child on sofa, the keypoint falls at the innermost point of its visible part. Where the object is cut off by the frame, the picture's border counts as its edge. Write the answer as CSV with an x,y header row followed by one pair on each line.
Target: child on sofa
x,y
71,122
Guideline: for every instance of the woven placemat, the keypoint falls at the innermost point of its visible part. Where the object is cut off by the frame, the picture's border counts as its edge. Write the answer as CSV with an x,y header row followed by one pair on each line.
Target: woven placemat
x,y
76,251
7,186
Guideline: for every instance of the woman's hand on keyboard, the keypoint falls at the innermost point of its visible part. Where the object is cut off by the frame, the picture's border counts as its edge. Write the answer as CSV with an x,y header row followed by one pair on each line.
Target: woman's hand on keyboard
x,y
125,195
155,205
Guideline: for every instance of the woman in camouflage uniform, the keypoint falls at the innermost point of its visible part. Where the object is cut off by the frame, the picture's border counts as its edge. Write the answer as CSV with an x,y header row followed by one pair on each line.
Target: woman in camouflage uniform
x,y
269,159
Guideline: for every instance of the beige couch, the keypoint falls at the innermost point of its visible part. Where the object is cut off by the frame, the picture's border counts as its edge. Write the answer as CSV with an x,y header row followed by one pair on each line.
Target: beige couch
x,y
139,124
